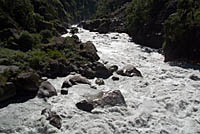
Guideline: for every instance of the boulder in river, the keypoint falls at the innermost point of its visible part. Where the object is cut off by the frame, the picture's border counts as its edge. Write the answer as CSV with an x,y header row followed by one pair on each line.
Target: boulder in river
x,y
130,71
115,78
109,98
85,106
46,90
113,68
54,119
74,80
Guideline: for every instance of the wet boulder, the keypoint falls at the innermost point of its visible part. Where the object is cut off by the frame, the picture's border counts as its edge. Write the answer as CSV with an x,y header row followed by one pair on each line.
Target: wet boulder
x,y
115,78
113,68
102,99
109,98
64,92
85,106
130,71
53,118
74,80
46,89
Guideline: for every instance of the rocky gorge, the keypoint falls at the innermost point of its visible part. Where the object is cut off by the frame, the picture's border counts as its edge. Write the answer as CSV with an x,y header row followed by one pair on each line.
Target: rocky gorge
x,y
149,96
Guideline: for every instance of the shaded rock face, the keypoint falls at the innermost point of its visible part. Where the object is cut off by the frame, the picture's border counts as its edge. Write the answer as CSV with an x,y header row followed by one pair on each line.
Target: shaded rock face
x,y
28,81
102,99
46,89
7,91
96,69
74,80
103,25
54,119
89,51
130,71
59,68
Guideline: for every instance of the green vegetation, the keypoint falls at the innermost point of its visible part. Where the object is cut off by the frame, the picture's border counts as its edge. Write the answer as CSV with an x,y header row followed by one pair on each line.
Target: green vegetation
x,y
182,32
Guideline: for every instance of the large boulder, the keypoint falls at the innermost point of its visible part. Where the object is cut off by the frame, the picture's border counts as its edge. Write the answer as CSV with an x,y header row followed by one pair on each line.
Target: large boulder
x,y
96,69
88,50
74,80
28,81
109,98
130,71
7,91
102,99
46,90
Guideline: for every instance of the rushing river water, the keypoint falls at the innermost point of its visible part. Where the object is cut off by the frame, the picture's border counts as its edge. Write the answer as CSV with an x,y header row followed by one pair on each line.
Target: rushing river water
x,y
164,101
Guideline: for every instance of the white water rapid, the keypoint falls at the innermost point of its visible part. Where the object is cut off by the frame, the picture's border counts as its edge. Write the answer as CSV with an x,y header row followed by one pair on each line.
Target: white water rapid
x,y
164,101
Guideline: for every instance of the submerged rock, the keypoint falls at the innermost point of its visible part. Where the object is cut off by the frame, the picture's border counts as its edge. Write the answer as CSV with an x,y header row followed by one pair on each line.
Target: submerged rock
x,y
130,71
46,90
194,77
99,81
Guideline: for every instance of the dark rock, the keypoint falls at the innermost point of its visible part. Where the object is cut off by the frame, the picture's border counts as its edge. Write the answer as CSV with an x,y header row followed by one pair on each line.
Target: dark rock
x,y
7,91
89,51
67,84
88,72
99,81
114,78
58,68
113,68
96,69
85,106
195,78
74,30
61,29
64,92
28,81
130,71
54,119
46,90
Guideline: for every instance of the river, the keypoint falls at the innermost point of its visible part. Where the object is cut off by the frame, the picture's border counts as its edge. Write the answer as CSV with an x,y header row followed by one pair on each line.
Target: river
x,y
164,101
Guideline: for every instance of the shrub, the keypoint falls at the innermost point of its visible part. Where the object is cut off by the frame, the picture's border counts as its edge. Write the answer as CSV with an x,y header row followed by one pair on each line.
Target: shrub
x,y
25,41
182,32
